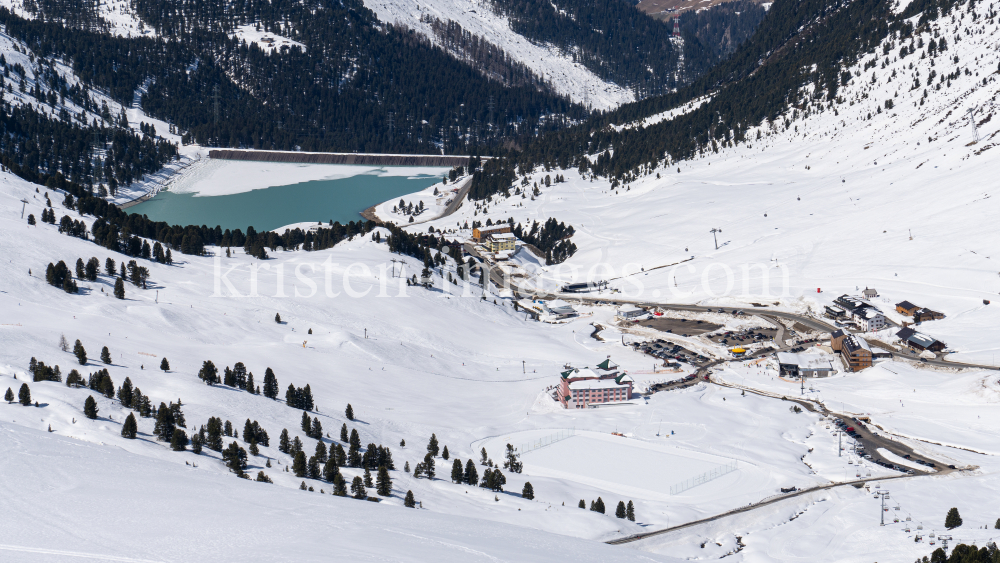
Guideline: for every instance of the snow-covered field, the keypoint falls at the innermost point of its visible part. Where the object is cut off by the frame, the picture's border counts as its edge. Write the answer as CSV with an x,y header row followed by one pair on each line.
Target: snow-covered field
x,y
837,201
557,67
225,177
268,42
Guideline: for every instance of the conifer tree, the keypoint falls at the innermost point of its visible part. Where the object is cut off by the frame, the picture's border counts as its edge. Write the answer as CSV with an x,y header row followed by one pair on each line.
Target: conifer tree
x,y
306,424
250,384
213,440
208,373
119,288
432,445
277,318
444,453
295,447
178,440
254,450
482,460
105,355
292,397
406,467
303,487
528,491
408,502
228,429
402,443
368,478
270,384
620,510
330,470
355,439
343,433
599,505
339,485
582,504
299,464
321,454
240,375
9,397
358,488
235,458
630,512
125,393
471,474
164,364
31,219
74,379
262,478
164,427
314,469
80,353
130,428
248,431
353,457
952,520
306,398
511,463
456,471
383,483
429,465
196,441
90,407
349,412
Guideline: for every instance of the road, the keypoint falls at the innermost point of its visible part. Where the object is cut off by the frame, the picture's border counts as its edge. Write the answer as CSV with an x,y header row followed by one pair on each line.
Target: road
x,y
870,441
498,279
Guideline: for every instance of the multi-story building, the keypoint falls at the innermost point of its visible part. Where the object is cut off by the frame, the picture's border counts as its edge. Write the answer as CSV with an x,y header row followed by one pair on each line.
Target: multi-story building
x,y
581,388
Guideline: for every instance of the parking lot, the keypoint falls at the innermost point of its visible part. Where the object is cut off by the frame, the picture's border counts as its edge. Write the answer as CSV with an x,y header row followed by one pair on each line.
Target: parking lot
x,y
747,336
670,353
683,327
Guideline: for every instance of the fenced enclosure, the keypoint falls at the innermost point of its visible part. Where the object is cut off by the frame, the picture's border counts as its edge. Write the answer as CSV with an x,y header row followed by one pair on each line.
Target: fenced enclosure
x,y
705,477
547,440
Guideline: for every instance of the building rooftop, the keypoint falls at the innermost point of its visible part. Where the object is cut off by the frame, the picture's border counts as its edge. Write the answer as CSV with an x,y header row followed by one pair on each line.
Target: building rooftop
x,y
594,384
852,343
628,309
502,236
906,305
806,361
921,339
607,364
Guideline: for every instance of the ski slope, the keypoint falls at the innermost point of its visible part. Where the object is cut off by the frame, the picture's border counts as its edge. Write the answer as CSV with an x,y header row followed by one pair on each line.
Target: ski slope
x,y
123,507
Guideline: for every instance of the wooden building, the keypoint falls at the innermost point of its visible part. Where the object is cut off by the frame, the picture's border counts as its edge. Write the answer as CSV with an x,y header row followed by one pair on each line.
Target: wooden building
x,y
856,353
906,308
479,234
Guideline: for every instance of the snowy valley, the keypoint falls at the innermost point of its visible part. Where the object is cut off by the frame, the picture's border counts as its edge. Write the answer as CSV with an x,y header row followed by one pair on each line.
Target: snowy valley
x,y
376,341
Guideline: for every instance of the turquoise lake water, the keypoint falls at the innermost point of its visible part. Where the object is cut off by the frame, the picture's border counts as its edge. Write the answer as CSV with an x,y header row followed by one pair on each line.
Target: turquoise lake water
x,y
340,200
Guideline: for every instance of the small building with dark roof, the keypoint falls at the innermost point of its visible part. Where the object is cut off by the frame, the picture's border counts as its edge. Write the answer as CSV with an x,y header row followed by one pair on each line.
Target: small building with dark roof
x,y
919,341
906,308
925,314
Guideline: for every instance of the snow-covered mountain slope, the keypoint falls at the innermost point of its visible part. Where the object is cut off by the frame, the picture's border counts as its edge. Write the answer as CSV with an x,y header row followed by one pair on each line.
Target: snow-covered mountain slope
x,y
411,362
75,501
116,17
883,189
568,78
